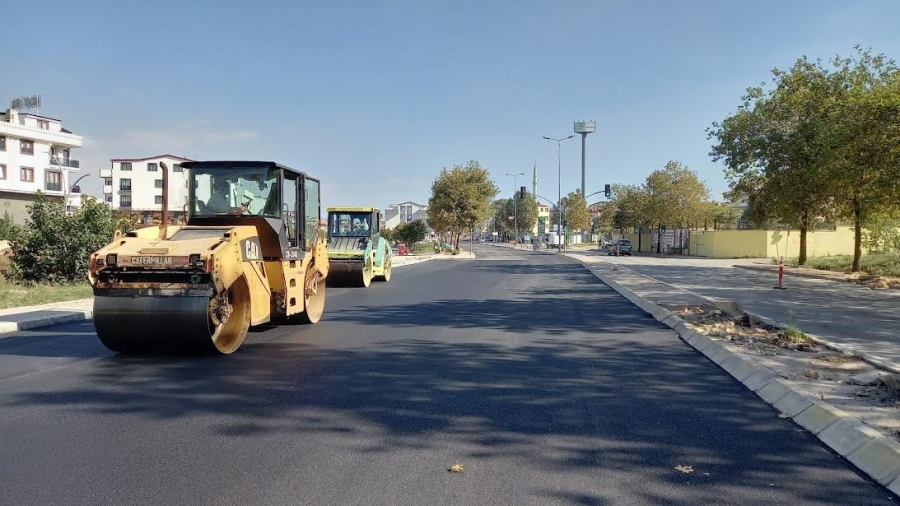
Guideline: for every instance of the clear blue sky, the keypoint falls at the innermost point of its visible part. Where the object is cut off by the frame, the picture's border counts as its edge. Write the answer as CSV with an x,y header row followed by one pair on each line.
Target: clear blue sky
x,y
376,97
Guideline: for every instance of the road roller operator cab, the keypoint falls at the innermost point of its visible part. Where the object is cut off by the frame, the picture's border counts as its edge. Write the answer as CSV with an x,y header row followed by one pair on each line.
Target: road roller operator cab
x,y
357,253
252,252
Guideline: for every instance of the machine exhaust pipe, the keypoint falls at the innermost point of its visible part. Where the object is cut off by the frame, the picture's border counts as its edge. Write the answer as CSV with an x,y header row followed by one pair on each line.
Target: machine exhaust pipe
x,y
165,199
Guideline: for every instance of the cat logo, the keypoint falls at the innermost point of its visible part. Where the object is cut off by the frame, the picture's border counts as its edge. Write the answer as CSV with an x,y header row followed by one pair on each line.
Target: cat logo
x,y
251,250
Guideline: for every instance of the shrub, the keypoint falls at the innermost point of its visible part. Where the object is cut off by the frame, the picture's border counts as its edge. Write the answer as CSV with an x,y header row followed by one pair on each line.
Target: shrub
x,y
56,248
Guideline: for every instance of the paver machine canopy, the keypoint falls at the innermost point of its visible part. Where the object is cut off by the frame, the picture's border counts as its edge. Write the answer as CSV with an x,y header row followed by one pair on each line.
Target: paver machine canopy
x,y
252,252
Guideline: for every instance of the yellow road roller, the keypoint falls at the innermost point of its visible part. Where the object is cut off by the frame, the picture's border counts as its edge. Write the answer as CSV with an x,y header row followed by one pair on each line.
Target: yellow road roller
x,y
357,253
251,253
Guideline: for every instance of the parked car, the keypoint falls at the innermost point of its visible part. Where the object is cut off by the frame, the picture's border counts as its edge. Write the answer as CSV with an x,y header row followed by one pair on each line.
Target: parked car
x,y
624,246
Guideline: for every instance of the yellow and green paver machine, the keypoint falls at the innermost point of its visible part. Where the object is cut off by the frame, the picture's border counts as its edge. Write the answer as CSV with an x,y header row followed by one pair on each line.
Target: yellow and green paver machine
x,y
357,253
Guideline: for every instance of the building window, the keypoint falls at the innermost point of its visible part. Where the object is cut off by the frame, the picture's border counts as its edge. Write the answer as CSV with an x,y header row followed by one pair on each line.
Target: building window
x,y
43,124
126,166
53,181
151,167
26,147
109,199
125,184
26,174
2,171
107,181
177,168
124,200
158,183
158,199
2,143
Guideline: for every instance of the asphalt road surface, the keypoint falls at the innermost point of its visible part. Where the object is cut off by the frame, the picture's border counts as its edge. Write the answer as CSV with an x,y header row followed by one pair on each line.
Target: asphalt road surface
x,y
547,386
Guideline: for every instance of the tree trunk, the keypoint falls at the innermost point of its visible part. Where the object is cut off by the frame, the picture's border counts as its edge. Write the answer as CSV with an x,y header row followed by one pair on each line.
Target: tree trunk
x,y
857,234
804,225
659,239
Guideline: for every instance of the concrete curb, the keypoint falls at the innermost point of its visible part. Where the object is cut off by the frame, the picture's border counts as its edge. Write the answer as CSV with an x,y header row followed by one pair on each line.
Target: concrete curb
x,y
867,449
67,316
73,315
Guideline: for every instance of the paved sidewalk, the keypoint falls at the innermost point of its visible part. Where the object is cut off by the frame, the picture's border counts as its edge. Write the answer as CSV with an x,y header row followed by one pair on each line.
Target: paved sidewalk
x,y
861,319
29,317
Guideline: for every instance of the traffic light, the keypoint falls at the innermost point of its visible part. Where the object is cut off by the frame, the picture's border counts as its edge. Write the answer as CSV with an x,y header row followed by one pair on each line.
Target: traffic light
x,y
521,192
608,191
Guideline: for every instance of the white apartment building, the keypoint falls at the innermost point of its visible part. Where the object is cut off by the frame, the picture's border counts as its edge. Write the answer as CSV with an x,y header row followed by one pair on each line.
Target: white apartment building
x,y
135,184
404,212
35,156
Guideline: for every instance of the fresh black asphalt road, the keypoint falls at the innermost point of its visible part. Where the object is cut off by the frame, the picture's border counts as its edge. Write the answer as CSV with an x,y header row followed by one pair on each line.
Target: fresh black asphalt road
x,y
546,385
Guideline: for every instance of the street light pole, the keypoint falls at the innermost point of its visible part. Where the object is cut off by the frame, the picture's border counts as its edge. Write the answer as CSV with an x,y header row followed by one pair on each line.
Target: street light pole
x,y
558,142
515,203
69,192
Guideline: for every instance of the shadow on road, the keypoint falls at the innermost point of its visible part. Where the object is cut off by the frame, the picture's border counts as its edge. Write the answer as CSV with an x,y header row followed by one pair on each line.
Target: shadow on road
x,y
552,405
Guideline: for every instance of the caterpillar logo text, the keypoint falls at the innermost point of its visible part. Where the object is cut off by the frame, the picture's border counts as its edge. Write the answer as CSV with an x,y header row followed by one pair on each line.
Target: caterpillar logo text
x,y
151,260
251,249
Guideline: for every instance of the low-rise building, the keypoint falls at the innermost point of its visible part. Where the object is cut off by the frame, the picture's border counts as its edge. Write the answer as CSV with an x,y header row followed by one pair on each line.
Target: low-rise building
x,y
35,155
404,212
542,219
135,184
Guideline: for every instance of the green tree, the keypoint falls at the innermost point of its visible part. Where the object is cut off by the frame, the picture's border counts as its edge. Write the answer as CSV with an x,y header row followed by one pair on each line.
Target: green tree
x,y
575,211
525,209
632,204
461,198
501,217
861,141
676,196
56,248
412,232
9,230
773,148
604,221
719,216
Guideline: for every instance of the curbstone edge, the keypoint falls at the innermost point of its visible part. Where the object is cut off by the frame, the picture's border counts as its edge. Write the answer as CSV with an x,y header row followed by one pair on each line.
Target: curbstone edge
x,y
774,390
759,379
879,458
847,434
794,402
818,416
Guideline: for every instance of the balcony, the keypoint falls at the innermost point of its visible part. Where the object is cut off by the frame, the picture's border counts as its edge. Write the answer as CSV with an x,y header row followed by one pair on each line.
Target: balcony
x,y
105,172
107,188
64,162
53,187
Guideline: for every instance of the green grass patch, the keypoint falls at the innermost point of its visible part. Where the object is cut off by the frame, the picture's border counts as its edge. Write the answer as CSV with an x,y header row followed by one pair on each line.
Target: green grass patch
x,y
424,247
882,264
12,295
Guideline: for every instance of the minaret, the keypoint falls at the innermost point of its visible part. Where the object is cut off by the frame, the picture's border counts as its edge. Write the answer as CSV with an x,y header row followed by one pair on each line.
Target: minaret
x,y
534,182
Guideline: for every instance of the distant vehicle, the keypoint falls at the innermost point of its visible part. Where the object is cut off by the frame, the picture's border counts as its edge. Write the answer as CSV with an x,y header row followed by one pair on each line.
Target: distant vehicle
x,y
624,246
402,249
